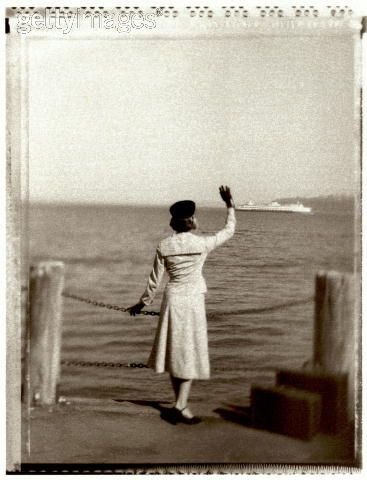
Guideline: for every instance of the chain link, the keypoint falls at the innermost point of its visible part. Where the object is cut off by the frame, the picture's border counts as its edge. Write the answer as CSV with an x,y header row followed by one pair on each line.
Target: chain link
x,y
83,363
109,306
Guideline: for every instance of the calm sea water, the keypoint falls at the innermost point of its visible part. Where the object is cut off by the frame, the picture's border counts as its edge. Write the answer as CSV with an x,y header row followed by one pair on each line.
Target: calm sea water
x,y
271,260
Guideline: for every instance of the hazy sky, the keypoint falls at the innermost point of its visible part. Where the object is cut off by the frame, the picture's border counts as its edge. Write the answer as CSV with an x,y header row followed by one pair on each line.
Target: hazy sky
x,y
154,121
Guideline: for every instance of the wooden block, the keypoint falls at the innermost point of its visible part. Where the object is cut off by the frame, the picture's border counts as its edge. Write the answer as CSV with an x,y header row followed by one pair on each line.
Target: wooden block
x,y
333,389
285,410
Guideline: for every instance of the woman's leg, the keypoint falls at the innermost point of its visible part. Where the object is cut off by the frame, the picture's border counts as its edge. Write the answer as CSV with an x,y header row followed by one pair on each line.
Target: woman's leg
x,y
183,393
182,389
176,386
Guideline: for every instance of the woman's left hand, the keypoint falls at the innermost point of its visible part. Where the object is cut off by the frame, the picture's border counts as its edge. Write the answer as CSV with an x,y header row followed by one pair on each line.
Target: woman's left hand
x,y
135,309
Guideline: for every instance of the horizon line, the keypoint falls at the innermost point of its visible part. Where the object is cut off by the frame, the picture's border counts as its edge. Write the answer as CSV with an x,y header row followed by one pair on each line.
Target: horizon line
x,y
208,203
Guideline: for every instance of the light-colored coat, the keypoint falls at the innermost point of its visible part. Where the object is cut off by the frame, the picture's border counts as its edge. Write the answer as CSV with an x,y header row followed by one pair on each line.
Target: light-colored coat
x,y
181,342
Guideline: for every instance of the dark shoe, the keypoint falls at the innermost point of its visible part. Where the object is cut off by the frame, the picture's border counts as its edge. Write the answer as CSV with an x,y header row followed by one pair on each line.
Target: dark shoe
x,y
169,415
178,417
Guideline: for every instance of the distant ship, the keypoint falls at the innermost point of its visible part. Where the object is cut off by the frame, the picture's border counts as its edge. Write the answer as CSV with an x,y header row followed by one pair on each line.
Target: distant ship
x,y
275,207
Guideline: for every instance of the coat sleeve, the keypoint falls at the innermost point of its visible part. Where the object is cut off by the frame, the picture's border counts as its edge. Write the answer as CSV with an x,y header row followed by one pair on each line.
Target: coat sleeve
x,y
154,279
223,235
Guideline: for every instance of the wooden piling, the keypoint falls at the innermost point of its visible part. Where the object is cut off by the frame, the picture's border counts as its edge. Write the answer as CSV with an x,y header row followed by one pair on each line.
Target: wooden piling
x,y
335,329
44,332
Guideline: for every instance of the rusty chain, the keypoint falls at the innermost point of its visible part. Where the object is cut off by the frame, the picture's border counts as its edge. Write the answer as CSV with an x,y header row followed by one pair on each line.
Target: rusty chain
x,y
118,308
83,363
109,306
123,309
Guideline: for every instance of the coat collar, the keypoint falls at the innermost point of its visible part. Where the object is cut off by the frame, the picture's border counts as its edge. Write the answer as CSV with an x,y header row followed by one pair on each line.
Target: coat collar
x,y
182,244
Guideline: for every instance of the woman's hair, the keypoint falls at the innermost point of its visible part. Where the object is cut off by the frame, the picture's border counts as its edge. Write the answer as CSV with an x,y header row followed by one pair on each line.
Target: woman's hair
x,y
182,224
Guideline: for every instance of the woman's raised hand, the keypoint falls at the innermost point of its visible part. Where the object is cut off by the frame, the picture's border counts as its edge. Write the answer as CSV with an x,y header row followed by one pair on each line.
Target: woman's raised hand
x,y
225,193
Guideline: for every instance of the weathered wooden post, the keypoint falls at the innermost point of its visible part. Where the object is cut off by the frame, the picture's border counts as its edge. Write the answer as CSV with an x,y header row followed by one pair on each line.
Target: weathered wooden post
x,y
336,329
44,332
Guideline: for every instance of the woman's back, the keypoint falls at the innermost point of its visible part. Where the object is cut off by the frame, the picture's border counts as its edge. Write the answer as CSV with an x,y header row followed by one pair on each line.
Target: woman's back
x,y
185,270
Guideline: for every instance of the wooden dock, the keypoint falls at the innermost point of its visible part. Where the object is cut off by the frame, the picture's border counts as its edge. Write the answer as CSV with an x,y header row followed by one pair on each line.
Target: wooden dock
x,y
81,431
123,435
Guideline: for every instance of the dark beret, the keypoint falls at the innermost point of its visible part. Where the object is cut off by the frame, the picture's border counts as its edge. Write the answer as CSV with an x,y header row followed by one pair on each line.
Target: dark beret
x,y
183,209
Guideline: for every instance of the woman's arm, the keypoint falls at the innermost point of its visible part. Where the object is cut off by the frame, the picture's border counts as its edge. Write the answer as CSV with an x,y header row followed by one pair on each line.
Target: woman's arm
x,y
227,232
154,280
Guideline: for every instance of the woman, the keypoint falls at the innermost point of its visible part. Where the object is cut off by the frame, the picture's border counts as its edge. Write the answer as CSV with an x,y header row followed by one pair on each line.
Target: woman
x,y
181,342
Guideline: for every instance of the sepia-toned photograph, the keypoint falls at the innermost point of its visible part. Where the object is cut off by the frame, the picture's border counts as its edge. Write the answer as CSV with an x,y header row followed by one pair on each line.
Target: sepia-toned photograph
x,y
184,238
